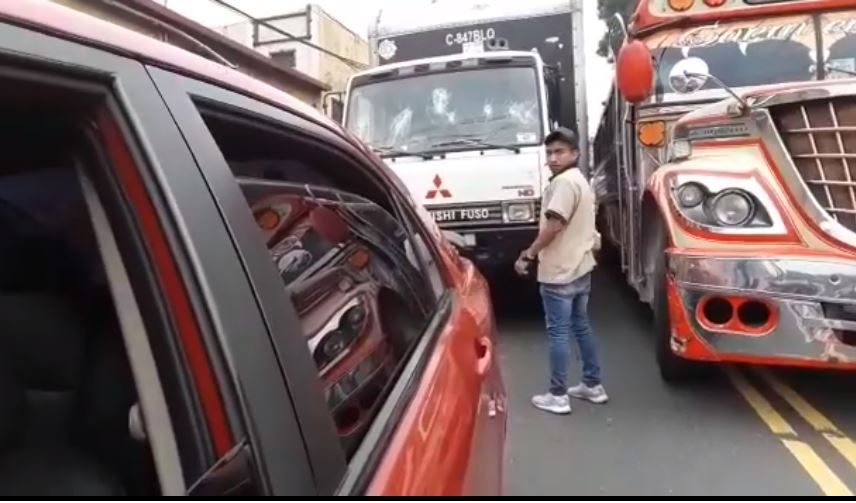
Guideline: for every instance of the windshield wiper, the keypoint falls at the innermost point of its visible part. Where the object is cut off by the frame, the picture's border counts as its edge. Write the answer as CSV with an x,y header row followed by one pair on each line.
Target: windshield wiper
x,y
392,151
474,142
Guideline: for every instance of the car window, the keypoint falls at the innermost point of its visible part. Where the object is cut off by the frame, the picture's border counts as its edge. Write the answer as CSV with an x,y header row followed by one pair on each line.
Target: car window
x,y
73,399
346,262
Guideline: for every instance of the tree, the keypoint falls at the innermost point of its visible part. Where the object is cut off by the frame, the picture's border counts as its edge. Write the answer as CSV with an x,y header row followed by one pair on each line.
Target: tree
x,y
606,9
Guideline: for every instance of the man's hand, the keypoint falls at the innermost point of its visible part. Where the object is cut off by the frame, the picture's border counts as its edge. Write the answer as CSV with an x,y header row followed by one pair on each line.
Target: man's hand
x,y
521,266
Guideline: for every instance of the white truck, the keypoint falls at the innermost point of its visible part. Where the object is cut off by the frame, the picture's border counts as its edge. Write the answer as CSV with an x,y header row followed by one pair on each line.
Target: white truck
x,y
459,104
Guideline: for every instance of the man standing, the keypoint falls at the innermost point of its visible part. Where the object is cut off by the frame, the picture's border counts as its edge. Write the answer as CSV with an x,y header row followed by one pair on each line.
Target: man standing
x,y
565,249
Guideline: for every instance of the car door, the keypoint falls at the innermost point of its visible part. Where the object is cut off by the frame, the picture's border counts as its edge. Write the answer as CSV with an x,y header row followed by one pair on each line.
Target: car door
x,y
484,466
436,377
178,285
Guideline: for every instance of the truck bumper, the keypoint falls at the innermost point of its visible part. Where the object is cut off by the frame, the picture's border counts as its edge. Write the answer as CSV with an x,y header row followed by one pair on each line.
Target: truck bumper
x,y
769,310
496,247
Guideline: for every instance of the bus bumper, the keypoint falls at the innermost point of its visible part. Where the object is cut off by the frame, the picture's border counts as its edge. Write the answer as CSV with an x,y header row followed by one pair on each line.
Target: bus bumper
x,y
763,310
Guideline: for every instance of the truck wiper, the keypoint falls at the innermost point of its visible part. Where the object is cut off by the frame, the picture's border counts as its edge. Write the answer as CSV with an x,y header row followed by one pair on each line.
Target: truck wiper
x,y
474,142
392,151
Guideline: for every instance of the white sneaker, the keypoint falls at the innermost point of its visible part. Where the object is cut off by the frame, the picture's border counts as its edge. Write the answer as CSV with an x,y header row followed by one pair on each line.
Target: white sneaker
x,y
596,394
552,403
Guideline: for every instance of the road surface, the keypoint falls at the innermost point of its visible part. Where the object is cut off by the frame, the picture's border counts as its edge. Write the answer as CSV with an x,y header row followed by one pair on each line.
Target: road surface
x,y
741,431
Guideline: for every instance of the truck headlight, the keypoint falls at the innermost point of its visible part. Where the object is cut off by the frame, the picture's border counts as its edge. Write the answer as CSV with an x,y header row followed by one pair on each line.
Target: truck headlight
x,y
518,212
732,208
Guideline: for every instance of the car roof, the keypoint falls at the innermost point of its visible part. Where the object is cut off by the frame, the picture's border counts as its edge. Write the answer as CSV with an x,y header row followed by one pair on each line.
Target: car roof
x,y
65,22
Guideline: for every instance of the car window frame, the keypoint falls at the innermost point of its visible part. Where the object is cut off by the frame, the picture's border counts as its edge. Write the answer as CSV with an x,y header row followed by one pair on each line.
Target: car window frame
x,y
335,475
219,296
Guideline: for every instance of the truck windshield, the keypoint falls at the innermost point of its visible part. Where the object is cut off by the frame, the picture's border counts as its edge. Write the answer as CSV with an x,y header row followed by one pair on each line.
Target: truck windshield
x,y
741,54
498,107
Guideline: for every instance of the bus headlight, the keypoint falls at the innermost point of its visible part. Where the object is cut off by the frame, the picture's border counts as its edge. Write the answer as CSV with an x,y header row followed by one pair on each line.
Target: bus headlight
x,y
732,208
722,205
690,195
518,212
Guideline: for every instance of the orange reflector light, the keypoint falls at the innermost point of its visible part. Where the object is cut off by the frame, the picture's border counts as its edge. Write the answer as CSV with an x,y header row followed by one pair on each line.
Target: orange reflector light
x,y
268,219
681,5
360,259
652,134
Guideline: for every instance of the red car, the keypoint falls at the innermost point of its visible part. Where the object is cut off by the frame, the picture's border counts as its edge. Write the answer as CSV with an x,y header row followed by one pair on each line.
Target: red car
x,y
207,288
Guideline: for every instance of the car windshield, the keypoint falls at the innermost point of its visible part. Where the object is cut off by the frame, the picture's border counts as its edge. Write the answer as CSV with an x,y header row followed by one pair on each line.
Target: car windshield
x,y
740,54
489,107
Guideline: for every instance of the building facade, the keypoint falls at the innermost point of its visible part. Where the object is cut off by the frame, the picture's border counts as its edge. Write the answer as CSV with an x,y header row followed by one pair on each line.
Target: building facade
x,y
157,21
344,52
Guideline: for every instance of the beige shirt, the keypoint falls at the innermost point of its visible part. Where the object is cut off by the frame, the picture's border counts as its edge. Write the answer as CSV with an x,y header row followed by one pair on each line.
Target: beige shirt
x,y
571,253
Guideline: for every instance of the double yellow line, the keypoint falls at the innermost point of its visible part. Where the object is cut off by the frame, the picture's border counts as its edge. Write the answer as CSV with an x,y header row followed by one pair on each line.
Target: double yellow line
x,y
811,462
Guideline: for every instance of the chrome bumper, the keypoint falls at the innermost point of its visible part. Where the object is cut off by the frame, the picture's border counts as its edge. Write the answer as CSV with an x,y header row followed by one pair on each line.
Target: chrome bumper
x,y
815,301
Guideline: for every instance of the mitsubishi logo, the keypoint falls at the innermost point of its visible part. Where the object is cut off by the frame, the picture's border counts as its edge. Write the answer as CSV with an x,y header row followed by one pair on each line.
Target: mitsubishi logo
x,y
438,183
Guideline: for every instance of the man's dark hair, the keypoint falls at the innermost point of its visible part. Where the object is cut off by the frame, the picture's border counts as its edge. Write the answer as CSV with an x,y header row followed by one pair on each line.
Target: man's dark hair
x,y
563,135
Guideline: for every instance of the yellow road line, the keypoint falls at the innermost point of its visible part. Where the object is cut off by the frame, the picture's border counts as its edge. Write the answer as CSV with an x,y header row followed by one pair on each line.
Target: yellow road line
x,y
842,443
817,469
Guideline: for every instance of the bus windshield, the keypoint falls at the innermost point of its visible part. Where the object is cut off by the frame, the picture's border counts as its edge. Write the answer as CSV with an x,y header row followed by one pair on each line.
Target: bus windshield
x,y
486,106
740,53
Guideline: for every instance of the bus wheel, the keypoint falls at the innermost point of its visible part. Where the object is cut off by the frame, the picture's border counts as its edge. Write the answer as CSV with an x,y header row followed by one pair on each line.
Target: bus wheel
x,y
672,367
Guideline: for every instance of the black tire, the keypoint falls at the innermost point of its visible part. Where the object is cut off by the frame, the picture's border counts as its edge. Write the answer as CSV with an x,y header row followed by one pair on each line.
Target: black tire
x,y
672,367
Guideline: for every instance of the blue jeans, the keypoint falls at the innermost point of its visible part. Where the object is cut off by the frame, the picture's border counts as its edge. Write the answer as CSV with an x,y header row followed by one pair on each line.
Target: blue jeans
x,y
566,313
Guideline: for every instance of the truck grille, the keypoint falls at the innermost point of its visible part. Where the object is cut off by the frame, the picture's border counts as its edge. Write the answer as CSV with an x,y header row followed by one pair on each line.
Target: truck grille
x,y
820,137
487,214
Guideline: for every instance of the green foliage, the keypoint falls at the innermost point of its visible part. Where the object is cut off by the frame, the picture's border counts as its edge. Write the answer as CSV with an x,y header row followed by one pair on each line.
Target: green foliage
x,y
606,9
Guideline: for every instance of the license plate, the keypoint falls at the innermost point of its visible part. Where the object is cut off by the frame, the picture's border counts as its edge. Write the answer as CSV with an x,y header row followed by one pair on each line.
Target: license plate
x,y
460,214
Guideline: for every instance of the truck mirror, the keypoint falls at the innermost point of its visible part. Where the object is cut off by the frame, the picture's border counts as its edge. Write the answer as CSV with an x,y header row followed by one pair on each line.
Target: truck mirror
x,y
634,70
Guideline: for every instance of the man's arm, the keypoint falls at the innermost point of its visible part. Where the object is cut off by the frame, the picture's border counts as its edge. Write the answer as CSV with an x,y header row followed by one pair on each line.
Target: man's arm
x,y
546,235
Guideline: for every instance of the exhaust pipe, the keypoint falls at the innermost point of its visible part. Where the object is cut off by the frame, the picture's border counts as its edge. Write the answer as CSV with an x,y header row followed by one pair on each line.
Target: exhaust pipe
x,y
736,315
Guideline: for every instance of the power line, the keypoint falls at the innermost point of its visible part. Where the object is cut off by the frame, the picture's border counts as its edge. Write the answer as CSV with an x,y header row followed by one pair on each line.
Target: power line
x,y
350,62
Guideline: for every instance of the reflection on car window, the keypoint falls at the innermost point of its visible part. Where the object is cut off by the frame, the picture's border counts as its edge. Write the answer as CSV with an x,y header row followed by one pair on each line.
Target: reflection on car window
x,y
346,264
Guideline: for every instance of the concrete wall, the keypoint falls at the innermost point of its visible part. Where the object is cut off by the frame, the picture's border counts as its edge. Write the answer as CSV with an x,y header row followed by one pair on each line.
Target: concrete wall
x,y
338,39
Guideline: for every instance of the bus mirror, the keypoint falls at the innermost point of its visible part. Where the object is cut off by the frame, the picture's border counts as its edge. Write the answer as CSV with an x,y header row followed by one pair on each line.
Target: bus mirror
x,y
634,70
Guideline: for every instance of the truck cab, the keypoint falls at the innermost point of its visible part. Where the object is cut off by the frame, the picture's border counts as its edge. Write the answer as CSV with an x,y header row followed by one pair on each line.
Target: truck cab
x,y
464,134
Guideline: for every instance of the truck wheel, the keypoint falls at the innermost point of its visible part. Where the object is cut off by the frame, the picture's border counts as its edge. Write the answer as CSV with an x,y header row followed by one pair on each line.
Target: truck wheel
x,y
672,367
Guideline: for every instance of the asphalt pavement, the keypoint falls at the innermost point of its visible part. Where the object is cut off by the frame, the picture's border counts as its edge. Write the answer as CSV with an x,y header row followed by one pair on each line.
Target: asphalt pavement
x,y
739,431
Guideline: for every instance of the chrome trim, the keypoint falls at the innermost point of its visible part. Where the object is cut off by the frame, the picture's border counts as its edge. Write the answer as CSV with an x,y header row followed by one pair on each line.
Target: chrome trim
x,y
719,183
657,111
794,279
813,91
